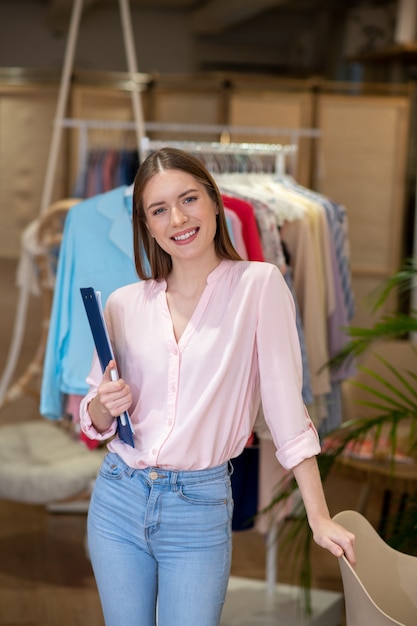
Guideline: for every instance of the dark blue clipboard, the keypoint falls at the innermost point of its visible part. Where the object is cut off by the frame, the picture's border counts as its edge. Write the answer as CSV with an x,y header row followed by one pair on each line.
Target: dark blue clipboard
x,y
93,308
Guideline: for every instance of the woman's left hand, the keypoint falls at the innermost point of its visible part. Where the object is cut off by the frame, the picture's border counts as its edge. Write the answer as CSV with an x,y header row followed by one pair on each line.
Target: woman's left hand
x,y
327,533
335,538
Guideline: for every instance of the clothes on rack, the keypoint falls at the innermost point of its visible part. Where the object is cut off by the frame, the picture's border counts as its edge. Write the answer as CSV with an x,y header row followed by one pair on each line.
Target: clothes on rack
x,y
103,169
246,217
236,234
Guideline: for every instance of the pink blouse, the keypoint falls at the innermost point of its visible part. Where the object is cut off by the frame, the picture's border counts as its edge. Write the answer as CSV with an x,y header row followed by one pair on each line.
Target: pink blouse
x,y
195,402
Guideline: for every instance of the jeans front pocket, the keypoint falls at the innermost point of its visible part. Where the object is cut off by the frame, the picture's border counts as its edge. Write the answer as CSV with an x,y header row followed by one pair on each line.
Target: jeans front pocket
x,y
206,493
113,467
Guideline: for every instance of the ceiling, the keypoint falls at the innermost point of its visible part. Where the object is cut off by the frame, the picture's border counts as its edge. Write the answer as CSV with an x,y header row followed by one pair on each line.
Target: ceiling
x,y
207,17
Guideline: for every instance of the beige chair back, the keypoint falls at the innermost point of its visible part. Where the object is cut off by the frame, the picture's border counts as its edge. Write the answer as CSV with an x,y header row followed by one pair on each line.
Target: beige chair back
x,y
381,589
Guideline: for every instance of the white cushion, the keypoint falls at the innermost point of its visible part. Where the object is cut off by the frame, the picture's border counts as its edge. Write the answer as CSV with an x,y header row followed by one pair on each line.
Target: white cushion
x,y
40,463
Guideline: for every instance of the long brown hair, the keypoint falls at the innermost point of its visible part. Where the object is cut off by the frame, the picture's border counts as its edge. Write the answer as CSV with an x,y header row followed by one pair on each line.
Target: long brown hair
x,y
160,263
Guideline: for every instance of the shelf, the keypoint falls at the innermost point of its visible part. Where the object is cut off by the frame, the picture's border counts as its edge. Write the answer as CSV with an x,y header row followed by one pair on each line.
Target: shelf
x,y
404,53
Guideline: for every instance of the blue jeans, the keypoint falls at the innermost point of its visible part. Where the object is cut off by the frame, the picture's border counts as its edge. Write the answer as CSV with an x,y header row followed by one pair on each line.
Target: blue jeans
x,y
160,544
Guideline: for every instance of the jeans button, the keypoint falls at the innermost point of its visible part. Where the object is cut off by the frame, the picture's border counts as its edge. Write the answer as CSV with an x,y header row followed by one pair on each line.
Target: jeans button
x,y
153,475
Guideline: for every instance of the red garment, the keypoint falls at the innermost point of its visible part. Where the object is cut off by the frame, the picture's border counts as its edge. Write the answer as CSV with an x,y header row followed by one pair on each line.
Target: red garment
x,y
250,233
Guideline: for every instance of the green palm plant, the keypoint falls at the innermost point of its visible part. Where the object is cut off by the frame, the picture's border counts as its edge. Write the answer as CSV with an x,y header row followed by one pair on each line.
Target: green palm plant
x,y
393,400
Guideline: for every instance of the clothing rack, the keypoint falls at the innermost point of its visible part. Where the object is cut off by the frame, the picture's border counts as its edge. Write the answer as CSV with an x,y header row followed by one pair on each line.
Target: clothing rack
x,y
224,132
279,151
184,128
175,127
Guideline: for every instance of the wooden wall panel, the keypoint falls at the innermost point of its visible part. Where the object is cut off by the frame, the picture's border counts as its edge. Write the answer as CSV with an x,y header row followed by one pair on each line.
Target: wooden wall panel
x,y
26,123
275,109
363,161
186,106
92,102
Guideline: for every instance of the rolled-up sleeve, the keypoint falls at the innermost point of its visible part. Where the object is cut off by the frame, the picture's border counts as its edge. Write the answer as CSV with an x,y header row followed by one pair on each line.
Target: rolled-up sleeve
x,y
301,447
280,368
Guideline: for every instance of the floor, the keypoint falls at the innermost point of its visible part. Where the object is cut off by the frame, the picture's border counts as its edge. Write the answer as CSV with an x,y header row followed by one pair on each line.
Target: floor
x,y
45,576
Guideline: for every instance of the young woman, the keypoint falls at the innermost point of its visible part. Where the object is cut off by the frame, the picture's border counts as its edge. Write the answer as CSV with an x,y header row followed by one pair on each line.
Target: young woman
x,y
199,342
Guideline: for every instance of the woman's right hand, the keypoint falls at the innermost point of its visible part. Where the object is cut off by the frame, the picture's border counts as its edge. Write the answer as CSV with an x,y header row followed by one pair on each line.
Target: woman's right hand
x,y
114,395
113,398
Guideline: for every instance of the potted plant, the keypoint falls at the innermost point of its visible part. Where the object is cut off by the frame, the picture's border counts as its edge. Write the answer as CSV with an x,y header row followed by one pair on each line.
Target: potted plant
x,y
391,396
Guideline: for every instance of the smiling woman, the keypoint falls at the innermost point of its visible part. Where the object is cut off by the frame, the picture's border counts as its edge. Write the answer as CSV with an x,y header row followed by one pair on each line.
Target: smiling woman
x,y
199,342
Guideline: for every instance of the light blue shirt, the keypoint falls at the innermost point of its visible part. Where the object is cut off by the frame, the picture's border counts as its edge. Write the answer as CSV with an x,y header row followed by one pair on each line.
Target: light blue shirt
x,y
96,251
